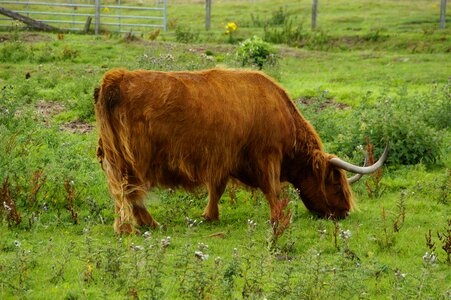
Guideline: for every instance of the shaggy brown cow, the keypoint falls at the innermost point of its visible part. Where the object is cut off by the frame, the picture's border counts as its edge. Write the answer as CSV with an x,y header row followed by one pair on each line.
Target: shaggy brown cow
x,y
191,129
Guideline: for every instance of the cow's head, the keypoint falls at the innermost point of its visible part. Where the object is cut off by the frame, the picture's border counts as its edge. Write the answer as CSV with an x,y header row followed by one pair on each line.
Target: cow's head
x,y
325,189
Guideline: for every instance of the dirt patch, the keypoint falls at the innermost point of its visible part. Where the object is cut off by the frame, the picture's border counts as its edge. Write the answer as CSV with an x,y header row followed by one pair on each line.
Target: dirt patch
x,y
77,127
309,101
45,110
27,37
48,109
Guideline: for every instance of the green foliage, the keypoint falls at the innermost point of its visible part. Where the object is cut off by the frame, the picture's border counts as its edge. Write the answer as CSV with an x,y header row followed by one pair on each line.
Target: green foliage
x,y
184,34
375,36
255,52
14,51
415,125
17,51
297,36
167,62
279,16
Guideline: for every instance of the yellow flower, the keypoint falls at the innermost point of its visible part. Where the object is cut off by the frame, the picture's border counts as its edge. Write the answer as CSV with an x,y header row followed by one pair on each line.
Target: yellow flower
x,y
231,27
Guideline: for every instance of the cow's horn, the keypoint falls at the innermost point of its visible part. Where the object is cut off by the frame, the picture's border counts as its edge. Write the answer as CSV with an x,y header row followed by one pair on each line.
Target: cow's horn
x,y
361,170
357,177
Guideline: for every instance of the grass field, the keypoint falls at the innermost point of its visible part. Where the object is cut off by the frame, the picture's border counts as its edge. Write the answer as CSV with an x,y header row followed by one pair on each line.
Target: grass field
x,y
374,69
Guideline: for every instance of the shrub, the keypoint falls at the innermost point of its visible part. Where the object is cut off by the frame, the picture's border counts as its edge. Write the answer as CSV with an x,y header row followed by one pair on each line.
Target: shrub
x,y
14,51
256,52
416,125
185,35
279,16
295,35
412,123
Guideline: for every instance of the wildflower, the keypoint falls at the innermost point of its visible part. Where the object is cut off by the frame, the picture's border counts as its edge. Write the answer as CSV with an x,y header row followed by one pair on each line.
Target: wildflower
x,y
202,246
231,27
192,222
200,255
166,242
345,234
430,258
251,224
137,247
399,274
17,243
146,235
6,206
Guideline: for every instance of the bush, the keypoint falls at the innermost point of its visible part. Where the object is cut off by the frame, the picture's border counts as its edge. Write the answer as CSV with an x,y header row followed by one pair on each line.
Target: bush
x,y
256,52
416,125
407,121
14,51
185,35
295,35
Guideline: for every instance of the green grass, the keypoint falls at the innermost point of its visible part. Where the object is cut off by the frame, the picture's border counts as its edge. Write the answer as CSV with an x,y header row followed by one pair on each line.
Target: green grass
x,y
65,248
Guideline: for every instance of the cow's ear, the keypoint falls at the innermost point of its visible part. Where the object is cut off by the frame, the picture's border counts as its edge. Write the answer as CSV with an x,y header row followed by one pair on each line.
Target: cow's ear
x,y
96,94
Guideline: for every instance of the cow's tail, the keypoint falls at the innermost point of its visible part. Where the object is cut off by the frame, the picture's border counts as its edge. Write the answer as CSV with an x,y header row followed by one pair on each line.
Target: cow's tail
x,y
112,134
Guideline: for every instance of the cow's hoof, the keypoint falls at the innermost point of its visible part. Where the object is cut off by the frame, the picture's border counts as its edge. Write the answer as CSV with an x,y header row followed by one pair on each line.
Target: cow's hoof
x,y
151,225
210,218
124,228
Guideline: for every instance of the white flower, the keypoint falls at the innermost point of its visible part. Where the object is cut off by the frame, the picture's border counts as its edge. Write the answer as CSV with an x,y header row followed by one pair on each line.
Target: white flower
x,y
166,242
430,258
137,248
17,243
346,234
202,246
200,255
399,274
6,206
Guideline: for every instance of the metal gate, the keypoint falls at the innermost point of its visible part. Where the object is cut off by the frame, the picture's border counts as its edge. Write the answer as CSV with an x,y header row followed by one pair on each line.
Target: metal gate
x,y
76,15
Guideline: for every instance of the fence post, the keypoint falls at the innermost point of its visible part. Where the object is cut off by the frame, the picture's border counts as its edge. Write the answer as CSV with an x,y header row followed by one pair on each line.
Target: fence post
x,y
314,13
443,14
97,29
208,14
165,21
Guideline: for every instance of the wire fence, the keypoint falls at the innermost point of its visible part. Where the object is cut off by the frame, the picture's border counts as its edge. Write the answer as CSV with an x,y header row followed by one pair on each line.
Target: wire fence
x,y
76,15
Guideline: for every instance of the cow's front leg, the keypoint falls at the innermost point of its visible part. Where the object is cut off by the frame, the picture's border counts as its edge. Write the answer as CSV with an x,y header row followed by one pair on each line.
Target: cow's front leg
x,y
215,191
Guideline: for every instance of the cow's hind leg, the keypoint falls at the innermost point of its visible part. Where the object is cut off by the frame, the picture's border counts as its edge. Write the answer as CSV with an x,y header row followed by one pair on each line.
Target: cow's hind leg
x,y
141,214
130,210
215,191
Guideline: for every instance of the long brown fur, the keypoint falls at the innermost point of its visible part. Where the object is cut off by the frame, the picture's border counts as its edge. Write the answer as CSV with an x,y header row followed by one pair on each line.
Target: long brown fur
x,y
191,129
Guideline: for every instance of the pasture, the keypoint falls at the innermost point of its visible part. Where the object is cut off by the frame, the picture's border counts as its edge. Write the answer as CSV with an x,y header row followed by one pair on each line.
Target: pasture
x,y
372,70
